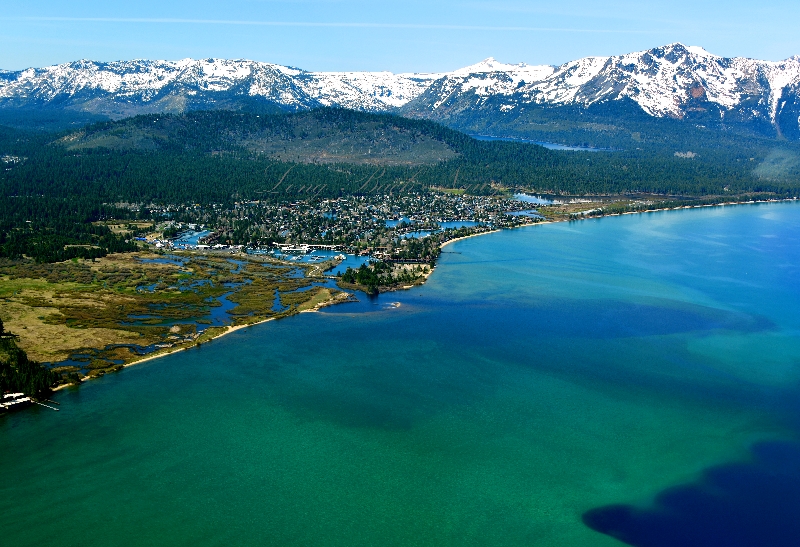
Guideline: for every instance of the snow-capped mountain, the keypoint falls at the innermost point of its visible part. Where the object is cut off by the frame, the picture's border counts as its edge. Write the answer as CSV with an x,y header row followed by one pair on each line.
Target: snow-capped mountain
x,y
672,81
121,88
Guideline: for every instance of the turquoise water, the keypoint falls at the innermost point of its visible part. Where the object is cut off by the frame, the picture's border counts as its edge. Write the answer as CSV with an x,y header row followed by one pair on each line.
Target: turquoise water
x,y
540,375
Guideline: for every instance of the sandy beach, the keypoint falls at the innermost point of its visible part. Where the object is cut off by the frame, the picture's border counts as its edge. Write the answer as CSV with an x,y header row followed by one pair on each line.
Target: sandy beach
x,y
169,351
448,242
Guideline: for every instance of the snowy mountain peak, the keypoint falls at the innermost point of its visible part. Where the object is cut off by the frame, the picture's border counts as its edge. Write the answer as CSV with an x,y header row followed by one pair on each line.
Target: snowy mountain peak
x,y
672,80
700,52
521,71
490,64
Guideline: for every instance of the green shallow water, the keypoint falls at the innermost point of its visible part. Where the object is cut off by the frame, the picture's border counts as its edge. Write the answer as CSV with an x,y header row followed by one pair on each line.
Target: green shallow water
x,y
540,373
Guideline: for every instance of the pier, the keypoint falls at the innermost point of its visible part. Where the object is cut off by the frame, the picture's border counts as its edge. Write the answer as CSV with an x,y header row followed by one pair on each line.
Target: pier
x,y
17,401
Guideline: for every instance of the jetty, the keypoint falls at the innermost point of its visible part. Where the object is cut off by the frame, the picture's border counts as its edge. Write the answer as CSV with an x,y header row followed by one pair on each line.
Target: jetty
x,y
17,401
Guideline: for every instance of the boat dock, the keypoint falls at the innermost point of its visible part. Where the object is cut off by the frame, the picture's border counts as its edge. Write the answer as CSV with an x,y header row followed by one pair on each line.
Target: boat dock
x,y
16,401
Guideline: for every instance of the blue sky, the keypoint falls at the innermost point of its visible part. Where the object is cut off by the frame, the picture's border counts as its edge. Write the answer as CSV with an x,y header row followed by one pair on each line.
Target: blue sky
x,y
401,36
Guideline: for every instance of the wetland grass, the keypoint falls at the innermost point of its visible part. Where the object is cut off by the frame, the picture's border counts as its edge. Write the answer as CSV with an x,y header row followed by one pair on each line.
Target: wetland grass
x,y
118,308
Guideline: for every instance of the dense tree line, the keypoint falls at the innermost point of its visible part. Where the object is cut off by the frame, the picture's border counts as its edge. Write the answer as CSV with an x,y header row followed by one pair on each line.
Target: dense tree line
x,y
425,249
374,275
369,277
54,229
199,157
17,372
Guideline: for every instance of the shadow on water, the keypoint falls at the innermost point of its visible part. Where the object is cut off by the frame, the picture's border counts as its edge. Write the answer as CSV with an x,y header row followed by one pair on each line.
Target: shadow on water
x,y
605,318
394,394
735,505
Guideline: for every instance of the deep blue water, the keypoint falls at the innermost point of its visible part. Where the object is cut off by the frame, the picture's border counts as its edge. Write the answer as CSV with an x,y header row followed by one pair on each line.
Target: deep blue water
x,y
350,260
633,378
453,224
732,505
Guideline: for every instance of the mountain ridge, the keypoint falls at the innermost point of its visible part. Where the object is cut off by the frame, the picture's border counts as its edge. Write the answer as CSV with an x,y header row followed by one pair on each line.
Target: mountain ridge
x,y
672,81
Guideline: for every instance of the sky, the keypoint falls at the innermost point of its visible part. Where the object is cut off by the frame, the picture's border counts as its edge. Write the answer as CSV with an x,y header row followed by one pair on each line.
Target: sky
x,y
399,36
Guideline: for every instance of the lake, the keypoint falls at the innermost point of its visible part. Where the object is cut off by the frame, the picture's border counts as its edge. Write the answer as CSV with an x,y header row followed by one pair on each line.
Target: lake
x,y
548,145
631,377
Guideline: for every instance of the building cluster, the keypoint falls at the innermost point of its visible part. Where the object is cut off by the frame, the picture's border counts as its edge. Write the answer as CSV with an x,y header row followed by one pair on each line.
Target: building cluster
x,y
11,159
385,226
354,221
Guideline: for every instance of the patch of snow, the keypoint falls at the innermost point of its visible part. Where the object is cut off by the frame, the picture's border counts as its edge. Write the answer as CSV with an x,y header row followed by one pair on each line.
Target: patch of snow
x,y
664,81
700,52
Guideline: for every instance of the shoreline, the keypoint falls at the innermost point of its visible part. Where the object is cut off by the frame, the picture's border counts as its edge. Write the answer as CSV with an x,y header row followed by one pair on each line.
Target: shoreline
x,y
449,241
228,330
170,351
586,217
233,328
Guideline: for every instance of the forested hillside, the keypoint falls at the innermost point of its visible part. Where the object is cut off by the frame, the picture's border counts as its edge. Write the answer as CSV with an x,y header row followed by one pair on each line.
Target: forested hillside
x,y
318,136
220,157
54,185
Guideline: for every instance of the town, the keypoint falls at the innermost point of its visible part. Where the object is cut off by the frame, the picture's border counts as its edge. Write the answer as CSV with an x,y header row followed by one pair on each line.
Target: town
x,y
386,227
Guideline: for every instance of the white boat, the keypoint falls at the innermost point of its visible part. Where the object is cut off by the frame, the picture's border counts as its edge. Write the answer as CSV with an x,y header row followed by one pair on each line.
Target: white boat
x,y
13,401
